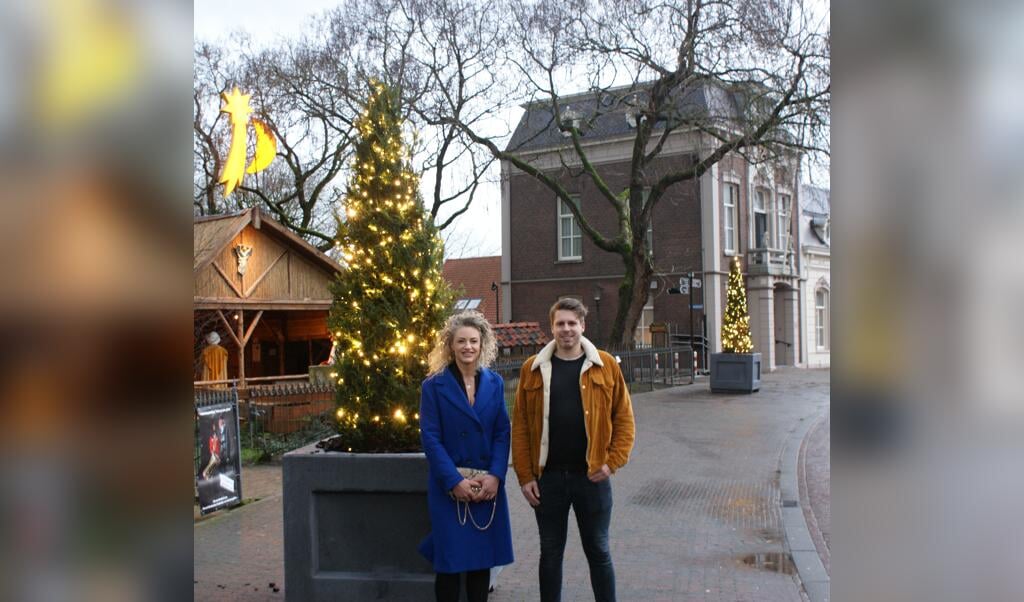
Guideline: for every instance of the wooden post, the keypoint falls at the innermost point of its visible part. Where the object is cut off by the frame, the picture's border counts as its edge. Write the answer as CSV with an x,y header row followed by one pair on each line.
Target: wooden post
x,y
284,343
241,349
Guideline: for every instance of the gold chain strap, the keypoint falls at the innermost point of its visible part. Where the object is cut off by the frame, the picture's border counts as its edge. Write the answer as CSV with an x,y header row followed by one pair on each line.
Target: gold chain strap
x,y
462,517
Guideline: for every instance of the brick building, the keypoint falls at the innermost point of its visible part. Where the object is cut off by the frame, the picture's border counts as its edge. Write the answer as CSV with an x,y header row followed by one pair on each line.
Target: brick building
x,y
735,208
477,278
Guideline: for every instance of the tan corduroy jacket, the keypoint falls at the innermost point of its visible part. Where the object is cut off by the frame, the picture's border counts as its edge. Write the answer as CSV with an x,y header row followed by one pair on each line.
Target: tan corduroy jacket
x,y
607,413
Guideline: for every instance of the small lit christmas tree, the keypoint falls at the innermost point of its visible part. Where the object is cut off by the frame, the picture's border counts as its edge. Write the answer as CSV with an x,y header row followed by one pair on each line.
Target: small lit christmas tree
x,y
391,300
736,323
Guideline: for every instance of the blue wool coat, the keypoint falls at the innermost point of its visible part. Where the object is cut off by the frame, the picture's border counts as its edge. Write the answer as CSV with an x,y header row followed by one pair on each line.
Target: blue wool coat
x,y
455,434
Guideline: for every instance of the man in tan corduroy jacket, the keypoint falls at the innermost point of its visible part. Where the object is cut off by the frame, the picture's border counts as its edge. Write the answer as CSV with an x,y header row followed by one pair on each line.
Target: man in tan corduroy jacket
x,y
572,427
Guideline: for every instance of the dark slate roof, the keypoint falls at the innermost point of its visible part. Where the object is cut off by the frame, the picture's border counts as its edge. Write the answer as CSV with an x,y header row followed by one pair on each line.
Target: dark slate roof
x,y
519,334
603,114
815,201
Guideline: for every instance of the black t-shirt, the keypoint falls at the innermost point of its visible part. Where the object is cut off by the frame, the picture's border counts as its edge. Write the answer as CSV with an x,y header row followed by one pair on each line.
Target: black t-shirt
x,y
454,369
567,435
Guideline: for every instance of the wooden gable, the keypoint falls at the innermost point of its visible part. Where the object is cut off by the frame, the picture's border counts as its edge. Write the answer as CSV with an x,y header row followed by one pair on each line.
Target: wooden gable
x,y
281,272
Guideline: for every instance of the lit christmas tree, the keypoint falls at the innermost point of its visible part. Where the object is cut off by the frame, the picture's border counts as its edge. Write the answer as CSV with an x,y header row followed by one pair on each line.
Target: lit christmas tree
x,y
736,323
391,300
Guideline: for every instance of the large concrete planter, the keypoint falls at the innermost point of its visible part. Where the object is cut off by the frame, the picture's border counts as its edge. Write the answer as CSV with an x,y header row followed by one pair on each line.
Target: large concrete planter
x,y
735,372
351,526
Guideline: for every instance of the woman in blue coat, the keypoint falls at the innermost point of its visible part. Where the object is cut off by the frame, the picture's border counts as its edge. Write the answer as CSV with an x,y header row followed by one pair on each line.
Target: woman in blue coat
x,y
464,425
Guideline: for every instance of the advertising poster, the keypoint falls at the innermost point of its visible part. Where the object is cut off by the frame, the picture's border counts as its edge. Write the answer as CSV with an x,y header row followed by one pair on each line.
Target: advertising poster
x,y
218,479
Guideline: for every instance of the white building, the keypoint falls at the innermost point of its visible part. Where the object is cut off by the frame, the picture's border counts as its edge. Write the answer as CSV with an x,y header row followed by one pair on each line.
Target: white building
x,y
815,274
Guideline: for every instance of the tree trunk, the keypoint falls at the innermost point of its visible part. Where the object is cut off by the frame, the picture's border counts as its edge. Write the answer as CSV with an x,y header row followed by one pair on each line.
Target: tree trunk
x,y
633,292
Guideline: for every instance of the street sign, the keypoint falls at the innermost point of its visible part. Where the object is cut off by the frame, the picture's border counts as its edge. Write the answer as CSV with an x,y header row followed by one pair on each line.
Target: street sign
x,y
684,286
696,283
699,306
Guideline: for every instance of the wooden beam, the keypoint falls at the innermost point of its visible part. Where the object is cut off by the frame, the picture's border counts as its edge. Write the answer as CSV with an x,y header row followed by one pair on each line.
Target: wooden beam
x,y
229,328
248,333
256,283
202,303
227,278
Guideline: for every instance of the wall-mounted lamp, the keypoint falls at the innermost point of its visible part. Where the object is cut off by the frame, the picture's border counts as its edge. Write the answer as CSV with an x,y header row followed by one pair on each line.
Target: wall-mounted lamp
x,y
494,287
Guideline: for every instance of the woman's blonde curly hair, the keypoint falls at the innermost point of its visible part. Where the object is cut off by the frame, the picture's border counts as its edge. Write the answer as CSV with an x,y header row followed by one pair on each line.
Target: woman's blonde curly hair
x,y
441,355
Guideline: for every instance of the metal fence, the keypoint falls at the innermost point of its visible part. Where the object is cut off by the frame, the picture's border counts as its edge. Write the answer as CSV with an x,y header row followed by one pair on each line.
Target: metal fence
x,y
644,369
274,416
294,410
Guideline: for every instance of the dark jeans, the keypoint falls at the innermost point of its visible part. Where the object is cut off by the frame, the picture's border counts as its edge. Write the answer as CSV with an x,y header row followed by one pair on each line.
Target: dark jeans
x,y
592,503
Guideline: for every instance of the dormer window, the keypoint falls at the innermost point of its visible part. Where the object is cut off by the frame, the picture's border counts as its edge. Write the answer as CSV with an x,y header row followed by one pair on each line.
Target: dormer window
x,y
571,119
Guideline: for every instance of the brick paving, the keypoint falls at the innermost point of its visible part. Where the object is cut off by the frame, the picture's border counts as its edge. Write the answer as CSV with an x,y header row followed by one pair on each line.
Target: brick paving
x,y
239,553
699,494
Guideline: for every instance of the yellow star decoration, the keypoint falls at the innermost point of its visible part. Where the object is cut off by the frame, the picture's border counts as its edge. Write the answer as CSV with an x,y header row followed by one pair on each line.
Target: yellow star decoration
x,y
236,105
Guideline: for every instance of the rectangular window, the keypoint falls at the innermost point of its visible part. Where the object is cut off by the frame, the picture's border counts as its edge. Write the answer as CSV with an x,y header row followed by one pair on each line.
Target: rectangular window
x,y
642,336
467,304
784,229
760,222
570,238
730,217
649,234
821,318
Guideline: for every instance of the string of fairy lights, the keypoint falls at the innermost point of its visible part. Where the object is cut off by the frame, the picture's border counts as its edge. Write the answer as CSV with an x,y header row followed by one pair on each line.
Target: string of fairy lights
x,y
391,299
736,322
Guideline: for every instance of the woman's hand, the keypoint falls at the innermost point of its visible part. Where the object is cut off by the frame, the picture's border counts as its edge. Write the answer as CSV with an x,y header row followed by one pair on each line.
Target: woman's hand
x,y
488,487
466,491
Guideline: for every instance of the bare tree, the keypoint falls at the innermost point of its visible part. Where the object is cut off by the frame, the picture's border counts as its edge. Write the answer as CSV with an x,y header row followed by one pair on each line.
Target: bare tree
x,y
749,78
310,92
759,67
308,106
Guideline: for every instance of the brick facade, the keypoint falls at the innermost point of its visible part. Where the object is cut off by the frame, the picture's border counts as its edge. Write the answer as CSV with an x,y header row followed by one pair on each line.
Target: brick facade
x,y
538,278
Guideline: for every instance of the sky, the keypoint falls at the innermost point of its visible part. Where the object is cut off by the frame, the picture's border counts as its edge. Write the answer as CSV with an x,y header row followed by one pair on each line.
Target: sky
x,y
477,232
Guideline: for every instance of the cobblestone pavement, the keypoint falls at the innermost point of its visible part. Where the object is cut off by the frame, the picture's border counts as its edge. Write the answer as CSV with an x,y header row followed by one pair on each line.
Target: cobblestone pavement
x,y
699,496
238,554
815,491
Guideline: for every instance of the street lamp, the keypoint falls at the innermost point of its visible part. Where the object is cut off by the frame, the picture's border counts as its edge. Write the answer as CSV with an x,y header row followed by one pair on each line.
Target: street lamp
x,y
597,311
497,316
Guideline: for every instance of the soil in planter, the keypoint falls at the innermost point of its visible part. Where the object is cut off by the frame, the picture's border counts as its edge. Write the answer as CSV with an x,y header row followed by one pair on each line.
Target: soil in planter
x,y
370,445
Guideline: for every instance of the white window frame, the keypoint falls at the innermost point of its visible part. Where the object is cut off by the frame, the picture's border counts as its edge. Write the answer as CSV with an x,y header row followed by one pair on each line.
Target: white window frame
x,y
575,234
642,335
821,318
785,201
731,216
649,234
762,194
467,303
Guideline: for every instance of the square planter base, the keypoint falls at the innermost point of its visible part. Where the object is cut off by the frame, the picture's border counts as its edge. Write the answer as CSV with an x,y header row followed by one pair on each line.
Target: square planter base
x,y
735,372
352,523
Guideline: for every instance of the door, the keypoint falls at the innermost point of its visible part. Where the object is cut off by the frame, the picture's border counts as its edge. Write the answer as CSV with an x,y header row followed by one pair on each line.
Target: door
x,y
785,333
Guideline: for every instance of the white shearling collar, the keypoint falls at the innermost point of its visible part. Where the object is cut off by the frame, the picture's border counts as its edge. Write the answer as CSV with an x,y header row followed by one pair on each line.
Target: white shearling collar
x,y
589,350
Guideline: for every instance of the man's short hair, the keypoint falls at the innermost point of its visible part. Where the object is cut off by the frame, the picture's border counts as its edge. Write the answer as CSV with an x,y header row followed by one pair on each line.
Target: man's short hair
x,y
569,304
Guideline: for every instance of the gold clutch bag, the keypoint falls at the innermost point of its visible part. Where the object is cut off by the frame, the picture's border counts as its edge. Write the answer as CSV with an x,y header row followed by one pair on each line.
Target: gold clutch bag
x,y
472,473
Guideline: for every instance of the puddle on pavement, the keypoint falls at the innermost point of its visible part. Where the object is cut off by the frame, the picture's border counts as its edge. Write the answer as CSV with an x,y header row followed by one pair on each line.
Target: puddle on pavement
x,y
776,562
769,535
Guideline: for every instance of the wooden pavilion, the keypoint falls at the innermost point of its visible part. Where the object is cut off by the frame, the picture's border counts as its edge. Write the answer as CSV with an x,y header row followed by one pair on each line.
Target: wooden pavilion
x,y
265,291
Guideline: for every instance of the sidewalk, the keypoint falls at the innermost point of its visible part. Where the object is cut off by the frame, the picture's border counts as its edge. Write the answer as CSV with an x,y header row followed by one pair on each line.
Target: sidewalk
x,y
697,510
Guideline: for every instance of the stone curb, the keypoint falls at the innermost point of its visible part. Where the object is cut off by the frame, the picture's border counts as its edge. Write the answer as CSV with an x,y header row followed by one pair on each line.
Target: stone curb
x,y
798,538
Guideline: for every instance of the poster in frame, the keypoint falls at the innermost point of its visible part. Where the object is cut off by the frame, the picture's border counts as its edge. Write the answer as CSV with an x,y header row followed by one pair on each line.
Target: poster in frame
x,y
219,474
